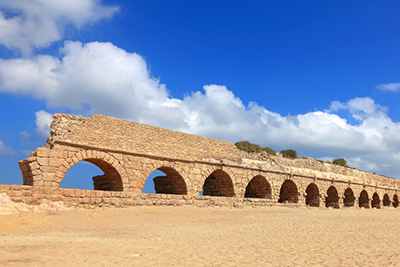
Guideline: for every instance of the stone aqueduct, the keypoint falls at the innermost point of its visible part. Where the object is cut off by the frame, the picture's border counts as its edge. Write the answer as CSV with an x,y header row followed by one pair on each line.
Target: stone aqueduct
x,y
199,171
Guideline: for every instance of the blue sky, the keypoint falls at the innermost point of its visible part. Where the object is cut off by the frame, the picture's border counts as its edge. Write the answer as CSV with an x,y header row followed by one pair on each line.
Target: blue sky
x,y
320,77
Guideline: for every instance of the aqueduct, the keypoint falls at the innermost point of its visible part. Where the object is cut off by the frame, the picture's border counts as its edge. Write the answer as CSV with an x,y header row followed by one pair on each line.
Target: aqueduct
x,y
198,171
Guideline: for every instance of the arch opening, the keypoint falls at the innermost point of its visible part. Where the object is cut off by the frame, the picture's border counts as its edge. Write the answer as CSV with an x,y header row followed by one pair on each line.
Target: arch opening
x,y
363,201
386,201
395,201
218,184
376,202
258,187
332,198
349,198
165,180
312,198
110,180
288,192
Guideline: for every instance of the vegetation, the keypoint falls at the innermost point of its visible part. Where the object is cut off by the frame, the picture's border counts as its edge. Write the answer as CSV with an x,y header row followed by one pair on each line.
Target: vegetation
x,y
269,150
247,146
340,162
289,153
250,147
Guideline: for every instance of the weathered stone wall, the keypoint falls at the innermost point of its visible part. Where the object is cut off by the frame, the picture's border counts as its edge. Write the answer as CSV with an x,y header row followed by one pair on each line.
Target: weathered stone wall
x,y
128,152
125,136
92,198
311,164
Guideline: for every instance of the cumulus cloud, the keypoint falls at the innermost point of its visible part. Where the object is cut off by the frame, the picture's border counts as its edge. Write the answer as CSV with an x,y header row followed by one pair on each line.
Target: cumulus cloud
x,y
43,120
389,87
6,150
28,24
360,108
102,78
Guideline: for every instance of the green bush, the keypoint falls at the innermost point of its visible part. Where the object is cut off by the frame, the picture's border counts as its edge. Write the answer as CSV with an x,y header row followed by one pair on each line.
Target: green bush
x,y
269,150
289,153
247,146
340,162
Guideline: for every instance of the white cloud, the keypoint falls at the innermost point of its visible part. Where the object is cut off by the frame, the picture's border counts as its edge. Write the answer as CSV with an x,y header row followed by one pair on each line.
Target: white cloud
x,y
360,108
101,78
6,150
389,87
43,120
28,24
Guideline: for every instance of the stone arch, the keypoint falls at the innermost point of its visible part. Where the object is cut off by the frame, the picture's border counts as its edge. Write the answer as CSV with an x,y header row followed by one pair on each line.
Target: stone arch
x,y
312,197
172,183
218,183
258,187
386,201
114,178
375,202
288,192
395,201
349,198
332,198
363,200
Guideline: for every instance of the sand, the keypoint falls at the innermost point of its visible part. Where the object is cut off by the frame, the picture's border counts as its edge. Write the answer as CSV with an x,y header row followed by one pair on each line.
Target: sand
x,y
190,236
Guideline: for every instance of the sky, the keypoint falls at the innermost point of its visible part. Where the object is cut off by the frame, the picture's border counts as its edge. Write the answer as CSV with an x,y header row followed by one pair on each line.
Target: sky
x,y
320,77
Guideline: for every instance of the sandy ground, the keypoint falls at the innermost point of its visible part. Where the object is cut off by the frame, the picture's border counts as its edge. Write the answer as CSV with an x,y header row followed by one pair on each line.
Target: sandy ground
x,y
189,236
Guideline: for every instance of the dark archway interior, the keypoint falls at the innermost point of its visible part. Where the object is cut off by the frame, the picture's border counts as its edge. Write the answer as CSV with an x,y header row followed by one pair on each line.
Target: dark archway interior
x,y
363,201
218,184
375,203
171,183
258,187
395,201
349,198
288,192
312,198
110,180
386,200
332,198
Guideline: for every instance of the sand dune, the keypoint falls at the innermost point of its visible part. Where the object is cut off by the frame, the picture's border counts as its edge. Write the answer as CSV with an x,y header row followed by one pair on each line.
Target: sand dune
x,y
189,236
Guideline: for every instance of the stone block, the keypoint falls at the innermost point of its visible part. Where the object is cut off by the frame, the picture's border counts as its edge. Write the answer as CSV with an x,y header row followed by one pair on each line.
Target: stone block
x,y
27,193
57,198
42,151
48,190
38,196
34,202
75,159
114,201
49,176
34,165
23,167
36,173
43,161
17,199
38,183
15,193
57,162
48,169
